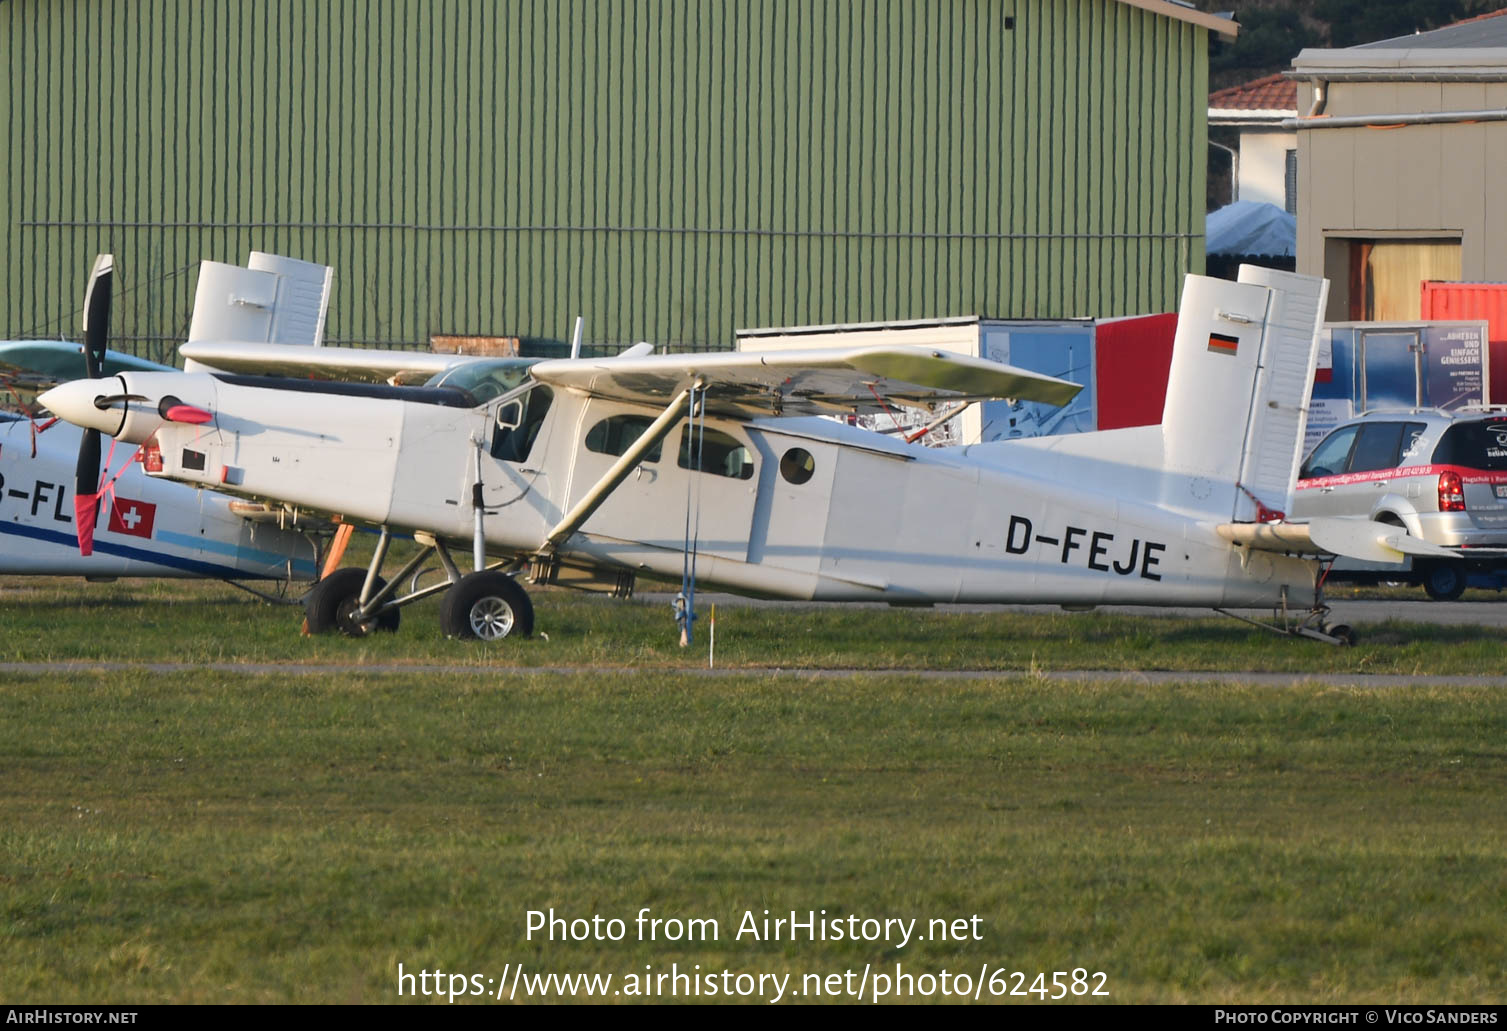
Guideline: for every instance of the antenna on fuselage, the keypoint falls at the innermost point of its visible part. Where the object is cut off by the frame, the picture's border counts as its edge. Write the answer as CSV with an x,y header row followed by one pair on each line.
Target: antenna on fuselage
x,y
575,336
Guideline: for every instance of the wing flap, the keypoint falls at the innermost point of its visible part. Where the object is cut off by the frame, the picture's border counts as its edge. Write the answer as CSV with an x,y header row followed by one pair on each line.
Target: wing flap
x,y
811,382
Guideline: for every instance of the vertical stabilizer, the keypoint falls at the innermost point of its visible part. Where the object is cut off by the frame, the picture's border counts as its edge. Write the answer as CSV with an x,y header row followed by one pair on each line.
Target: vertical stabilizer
x,y
1237,394
273,300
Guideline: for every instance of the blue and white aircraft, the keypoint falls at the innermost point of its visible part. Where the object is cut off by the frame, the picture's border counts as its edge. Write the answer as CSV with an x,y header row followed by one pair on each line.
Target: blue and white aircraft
x,y
145,526
68,510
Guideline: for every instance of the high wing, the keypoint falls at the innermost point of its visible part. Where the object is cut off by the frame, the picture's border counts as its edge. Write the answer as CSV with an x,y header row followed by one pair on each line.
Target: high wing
x,y
352,364
815,382
854,380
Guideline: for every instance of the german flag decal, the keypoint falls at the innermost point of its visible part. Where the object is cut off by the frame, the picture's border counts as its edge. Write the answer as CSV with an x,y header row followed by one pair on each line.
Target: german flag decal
x,y
1221,344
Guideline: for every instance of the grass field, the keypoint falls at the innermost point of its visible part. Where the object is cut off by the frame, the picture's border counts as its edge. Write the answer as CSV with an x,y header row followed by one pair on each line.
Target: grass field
x,y
142,620
221,837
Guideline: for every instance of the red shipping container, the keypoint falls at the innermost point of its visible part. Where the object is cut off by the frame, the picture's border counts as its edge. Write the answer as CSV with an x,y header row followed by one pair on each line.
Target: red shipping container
x,y
1474,301
1132,359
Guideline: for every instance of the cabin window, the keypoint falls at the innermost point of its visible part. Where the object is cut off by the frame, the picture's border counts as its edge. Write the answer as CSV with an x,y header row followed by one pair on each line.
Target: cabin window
x,y
615,434
518,423
720,454
797,465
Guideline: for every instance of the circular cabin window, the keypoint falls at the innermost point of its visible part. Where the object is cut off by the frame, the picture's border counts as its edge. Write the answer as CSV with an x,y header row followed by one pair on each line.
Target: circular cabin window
x,y
797,466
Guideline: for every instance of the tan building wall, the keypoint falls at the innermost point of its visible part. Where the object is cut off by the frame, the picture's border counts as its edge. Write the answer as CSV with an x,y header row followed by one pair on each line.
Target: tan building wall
x,y
1412,200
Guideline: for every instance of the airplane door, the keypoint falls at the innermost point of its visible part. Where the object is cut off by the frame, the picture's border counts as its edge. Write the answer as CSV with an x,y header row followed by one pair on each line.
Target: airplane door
x,y
667,491
638,509
795,493
719,474
521,435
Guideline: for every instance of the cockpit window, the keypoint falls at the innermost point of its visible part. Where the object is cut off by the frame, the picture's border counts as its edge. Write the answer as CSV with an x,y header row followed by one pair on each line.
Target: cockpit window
x,y
513,443
615,434
485,379
719,453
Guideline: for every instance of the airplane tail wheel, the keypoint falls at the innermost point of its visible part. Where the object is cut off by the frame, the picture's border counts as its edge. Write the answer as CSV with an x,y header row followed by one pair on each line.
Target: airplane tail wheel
x,y
332,604
486,606
1444,581
1343,634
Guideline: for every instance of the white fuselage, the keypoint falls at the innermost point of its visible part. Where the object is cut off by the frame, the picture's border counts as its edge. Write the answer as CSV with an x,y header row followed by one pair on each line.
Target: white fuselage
x,y
1078,520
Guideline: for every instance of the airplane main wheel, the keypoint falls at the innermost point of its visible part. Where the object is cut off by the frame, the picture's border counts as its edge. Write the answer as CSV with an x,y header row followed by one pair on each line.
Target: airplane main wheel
x,y
1444,581
333,601
486,606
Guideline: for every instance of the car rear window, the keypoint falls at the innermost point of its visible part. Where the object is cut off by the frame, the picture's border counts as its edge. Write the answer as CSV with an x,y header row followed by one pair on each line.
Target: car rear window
x,y
1481,444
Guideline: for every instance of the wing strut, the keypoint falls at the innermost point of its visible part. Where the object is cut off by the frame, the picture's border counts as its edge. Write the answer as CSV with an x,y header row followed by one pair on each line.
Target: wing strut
x,y
603,488
479,510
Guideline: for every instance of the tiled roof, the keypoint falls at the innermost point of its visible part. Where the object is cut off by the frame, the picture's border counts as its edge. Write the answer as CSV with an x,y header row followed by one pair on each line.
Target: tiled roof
x,y
1272,93
1468,33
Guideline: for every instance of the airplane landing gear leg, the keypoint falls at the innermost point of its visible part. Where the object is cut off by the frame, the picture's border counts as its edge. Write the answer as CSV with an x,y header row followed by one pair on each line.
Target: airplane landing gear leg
x,y
1312,625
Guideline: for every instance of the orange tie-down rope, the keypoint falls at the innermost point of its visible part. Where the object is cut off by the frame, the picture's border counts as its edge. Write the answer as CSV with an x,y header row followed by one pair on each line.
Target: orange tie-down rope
x,y
332,560
337,549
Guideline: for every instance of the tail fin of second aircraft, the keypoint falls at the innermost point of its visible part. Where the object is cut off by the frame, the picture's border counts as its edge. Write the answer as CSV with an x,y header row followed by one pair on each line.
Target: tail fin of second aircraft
x,y
273,300
1237,397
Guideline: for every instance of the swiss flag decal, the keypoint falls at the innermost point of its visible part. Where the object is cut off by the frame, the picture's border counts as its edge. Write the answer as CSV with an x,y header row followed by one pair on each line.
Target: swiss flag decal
x,y
132,517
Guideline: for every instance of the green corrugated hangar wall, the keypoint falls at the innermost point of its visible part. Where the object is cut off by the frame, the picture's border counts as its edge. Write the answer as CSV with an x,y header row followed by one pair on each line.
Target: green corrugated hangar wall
x,y
671,169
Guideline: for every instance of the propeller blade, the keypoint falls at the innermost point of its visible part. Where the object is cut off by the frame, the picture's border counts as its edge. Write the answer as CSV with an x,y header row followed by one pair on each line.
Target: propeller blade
x,y
86,490
96,342
97,315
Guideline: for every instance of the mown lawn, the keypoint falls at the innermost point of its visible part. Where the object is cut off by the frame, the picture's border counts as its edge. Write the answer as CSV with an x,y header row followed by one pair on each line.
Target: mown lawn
x,y
141,620
243,838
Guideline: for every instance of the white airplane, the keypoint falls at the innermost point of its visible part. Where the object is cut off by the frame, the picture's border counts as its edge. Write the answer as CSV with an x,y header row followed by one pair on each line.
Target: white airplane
x,y
53,478
707,467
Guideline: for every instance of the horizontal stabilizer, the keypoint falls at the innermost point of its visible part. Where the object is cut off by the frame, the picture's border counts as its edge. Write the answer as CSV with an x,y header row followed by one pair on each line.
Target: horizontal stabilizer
x,y
1371,541
1363,539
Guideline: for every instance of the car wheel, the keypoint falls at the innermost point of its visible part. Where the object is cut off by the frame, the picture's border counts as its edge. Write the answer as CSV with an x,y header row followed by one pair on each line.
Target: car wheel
x,y
1444,581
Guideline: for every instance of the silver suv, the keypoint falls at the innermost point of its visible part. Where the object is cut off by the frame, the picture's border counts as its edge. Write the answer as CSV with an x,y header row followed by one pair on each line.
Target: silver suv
x,y
1442,475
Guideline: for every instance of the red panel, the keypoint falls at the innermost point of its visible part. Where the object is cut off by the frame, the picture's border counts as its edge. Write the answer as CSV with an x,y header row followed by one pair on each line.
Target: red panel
x,y
1475,301
1132,358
